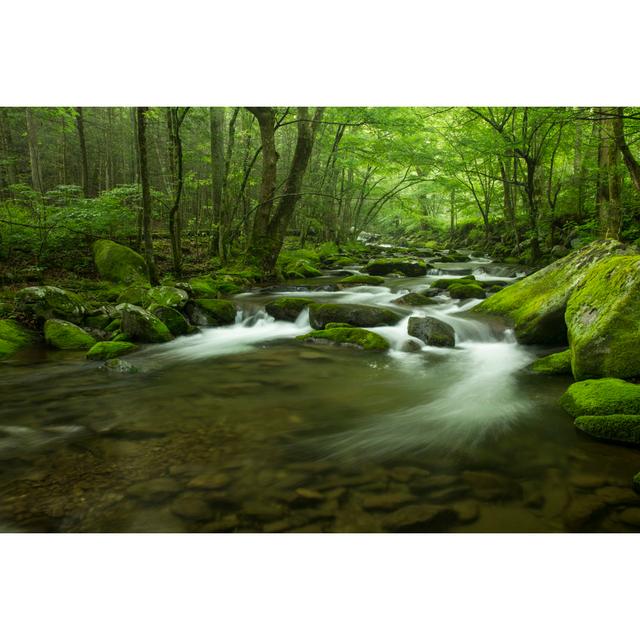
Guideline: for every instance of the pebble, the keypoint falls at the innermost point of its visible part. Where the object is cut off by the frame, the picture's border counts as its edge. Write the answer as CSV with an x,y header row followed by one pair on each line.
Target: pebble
x,y
420,517
386,501
192,508
487,485
209,481
225,524
154,490
630,516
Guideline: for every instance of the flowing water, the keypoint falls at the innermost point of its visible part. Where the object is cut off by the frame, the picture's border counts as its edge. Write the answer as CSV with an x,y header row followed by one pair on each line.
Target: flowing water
x,y
243,428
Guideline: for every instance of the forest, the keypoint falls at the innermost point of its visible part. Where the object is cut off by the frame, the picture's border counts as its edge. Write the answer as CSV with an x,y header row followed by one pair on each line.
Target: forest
x,y
315,319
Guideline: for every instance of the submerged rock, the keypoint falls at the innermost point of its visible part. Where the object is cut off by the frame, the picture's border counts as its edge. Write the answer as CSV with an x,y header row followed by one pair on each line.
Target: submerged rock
x,y
432,331
211,313
357,315
607,396
536,304
615,427
287,308
384,266
118,263
65,335
352,337
46,303
420,517
119,366
109,349
155,490
554,364
141,325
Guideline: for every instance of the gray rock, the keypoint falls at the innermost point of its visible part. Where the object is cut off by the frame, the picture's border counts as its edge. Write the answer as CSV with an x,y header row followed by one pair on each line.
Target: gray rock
x,y
432,331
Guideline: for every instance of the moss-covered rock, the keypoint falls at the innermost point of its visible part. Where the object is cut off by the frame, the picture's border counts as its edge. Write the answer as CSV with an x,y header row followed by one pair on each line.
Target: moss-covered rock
x,y
337,325
45,303
384,266
287,308
432,331
299,269
414,300
606,396
109,349
97,320
141,325
554,364
166,297
134,294
175,321
348,336
464,291
114,325
14,336
603,320
536,304
357,315
615,427
118,263
635,482
209,287
65,335
445,283
359,279
116,365
206,312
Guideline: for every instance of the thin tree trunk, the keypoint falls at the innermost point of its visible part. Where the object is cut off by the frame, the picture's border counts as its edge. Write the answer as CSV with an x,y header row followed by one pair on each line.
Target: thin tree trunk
x,y
34,153
216,129
84,164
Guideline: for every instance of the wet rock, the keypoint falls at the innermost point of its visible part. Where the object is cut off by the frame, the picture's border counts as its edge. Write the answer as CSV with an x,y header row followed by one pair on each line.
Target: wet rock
x,y
360,280
134,294
411,346
349,337
617,495
385,266
156,490
46,303
554,364
287,308
66,335
225,524
486,485
263,510
630,517
211,480
432,331
14,336
118,263
583,511
605,396
432,482
615,428
414,300
172,318
386,501
466,291
584,480
420,518
467,511
116,365
306,496
107,350
405,473
142,326
448,494
357,315
192,507
206,312
164,296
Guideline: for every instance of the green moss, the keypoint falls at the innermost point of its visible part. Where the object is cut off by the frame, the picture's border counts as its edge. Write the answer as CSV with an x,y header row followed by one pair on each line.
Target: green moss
x,y
298,264
114,325
337,325
464,291
414,300
44,303
172,318
166,297
362,280
536,304
65,335
118,263
97,321
357,315
615,427
209,287
606,396
13,337
134,294
142,326
287,308
355,337
109,349
213,313
603,320
445,283
385,266
554,364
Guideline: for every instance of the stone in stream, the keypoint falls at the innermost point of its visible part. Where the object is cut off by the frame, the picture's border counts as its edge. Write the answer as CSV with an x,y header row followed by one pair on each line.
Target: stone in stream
x,y
45,303
464,291
616,428
584,510
630,517
386,501
414,300
420,517
490,486
411,346
66,335
172,318
349,337
210,312
13,337
211,480
141,325
357,315
191,507
467,511
606,396
432,331
554,364
155,490
361,279
225,524
116,365
287,308
118,263
385,266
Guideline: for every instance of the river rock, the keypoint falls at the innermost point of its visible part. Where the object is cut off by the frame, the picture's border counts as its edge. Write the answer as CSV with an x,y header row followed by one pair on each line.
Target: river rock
x,y
191,507
359,279
210,480
432,331
630,517
357,315
385,266
414,300
616,428
155,490
490,486
420,517
386,501
166,297
584,510
287,308
467,511
134,294
14,336
209,312
172,318
141,325
65,335
107,350
464,291
607,396
116,365
118,263
46,303
554,364
536,304
347,336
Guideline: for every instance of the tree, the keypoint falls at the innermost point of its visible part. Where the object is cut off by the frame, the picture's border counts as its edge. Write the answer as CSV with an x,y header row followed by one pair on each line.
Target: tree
x,y
84,164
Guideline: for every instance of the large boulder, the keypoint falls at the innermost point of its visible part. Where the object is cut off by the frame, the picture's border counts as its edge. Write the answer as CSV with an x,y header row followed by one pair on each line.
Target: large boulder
x,y
617,428
384,266
65,335
175,321
432,331
554,364
166,297
359,279
206,312
287,308
536,304
414,300
347,337
603,320
141,325
465,290
118,263
45,303
13,337
357,315
109,349
606,396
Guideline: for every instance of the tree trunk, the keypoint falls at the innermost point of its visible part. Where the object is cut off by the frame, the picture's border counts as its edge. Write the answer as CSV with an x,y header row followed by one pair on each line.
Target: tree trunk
x,y
216,128
609,178
84,165
176,170
632,164
34,153
146,193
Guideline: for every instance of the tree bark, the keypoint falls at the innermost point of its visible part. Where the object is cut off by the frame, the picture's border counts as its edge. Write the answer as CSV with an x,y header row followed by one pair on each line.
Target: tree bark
x,y
174,121
632,164
34,153
216,128
84,164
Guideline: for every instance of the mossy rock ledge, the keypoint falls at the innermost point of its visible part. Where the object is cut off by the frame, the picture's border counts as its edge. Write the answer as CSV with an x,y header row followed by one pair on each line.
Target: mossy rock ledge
x,y
13,337
553,364
207,312
357,315
118,263
141,325
287,308
348,337
616,428
110,349
65,335
46,303
606,396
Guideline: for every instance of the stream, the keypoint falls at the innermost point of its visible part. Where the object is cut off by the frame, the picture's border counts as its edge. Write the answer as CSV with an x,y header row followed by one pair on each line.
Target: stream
x,y
243,428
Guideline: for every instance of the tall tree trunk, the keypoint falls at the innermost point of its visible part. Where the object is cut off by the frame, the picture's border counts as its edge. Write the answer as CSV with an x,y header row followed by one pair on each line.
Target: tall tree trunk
x,y
609,178
146,193
84,164
216,129
34,153
174,121
632,164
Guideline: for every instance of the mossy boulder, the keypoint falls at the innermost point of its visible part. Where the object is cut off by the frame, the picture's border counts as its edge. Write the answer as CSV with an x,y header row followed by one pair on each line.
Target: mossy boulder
x,y
359,279
357,315
97,319
607,396
14,336
134,294
554,364
445,283
337,325
432,331
616,427
109,349
118,263
172,318
299,269
348,336
603,320
384,266
207,312
166,297
414,300
45,303
66,335
463,291
536,304
287,308
209,287
141,325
